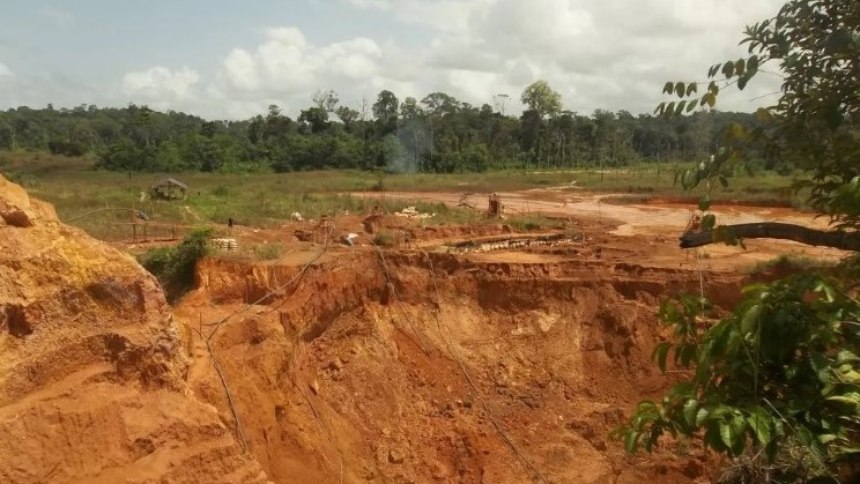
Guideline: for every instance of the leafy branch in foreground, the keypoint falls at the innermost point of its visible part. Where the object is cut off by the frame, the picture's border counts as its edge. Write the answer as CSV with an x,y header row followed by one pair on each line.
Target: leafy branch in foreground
x,y
783,368
775,385
814,46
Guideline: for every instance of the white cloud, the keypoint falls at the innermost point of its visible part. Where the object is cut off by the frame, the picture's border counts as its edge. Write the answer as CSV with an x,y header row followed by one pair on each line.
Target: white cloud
x,y
57,16
161,87
611,54
241,70
5,72
443,15
286,69
287,63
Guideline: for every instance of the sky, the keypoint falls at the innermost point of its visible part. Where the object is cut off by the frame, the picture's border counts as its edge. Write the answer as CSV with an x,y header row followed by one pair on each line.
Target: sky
x,y
226,59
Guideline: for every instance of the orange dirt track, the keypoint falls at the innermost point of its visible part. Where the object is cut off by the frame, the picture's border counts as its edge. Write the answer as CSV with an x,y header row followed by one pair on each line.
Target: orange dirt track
x,y
349,364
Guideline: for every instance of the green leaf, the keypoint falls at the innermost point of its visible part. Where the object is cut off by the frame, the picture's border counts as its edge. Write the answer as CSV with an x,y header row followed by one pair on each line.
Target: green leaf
x,y
827,438
713,438
740,67
704,203
680,89
713,88
685,353
829,293
739,425
660,354
660,108
668,88
709,221
849,399
713,70
691,106
631,441
692,88
729,69
724,182
670,108
750,318
710,99
726,435
701,416
845,356
680,109
761,424
742,82
690,412
804,436
752,64
821,367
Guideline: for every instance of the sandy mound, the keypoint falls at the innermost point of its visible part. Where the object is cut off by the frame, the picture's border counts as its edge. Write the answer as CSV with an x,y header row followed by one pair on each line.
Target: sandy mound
x,y
92,374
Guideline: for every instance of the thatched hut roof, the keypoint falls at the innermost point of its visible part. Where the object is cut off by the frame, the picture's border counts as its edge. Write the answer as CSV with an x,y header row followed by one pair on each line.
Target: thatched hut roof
x,y
167,182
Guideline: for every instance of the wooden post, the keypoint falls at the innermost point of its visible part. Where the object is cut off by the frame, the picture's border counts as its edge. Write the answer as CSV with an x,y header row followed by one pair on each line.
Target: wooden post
x,y
133,222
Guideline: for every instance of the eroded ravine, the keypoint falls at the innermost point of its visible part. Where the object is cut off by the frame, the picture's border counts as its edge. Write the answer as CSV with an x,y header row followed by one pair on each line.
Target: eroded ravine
x,y
345,375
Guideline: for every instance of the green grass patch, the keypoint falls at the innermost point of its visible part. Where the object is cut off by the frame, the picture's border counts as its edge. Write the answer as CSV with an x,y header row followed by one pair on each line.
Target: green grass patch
x,y
531,223
267,252
267,199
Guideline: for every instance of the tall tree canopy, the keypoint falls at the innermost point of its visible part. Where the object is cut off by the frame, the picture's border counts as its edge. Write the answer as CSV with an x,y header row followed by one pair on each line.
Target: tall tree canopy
x,y
542,99
437,133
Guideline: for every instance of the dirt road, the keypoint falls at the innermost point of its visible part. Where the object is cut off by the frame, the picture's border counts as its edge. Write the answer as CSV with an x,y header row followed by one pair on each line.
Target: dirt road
x,y
657,225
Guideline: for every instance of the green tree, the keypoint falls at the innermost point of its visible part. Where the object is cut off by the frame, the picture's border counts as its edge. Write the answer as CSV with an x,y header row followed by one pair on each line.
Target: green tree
x,y
326,100
347,116
409,109
778,380
385,110
542,99
314,120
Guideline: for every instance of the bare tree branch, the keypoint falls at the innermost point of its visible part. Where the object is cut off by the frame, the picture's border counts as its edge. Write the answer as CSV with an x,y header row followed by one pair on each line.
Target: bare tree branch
x,y
772,230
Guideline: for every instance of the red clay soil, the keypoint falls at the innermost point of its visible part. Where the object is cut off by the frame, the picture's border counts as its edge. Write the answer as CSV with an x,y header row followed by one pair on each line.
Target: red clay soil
x,y
354,371
345,364
92,373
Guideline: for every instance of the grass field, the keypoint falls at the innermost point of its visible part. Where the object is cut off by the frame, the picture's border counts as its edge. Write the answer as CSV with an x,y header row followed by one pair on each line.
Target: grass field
x,y
265,199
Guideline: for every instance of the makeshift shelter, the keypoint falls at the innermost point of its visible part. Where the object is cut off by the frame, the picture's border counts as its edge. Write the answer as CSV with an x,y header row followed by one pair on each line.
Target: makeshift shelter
x,y
168,189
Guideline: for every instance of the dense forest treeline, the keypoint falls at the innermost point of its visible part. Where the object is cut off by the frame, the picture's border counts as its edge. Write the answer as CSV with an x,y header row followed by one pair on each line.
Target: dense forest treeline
x,y
436,134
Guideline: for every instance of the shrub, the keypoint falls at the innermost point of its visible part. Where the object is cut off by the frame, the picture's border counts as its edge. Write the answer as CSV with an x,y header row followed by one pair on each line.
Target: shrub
x,y
221,191
268,251
174,266
383,239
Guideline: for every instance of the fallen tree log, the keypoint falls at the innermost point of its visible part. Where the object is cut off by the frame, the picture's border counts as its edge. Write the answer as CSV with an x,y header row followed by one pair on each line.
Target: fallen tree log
x,y
774,230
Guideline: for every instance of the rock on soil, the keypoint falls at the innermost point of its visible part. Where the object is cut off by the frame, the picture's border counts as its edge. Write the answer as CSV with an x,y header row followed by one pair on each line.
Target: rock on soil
x,y
92,372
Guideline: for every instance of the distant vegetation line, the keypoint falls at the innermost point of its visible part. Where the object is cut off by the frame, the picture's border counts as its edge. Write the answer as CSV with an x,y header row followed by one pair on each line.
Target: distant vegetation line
x,y
438,134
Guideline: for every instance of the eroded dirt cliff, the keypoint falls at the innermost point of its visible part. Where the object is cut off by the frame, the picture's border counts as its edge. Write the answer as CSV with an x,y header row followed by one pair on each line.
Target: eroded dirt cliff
x,y
425,367
92,372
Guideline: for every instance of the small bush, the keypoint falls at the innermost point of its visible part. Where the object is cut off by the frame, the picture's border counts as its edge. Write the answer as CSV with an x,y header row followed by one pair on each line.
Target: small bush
x,y
530,223
789,263
383,239
268,251
174,266
221,191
